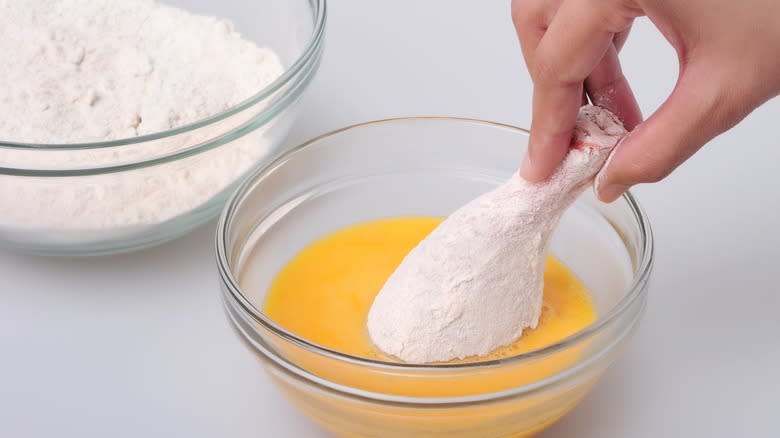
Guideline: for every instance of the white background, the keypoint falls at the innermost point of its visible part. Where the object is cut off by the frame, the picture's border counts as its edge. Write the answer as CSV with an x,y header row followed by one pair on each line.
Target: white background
x,y
137,345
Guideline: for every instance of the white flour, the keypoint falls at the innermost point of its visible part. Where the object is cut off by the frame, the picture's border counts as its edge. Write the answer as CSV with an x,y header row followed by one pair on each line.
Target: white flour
x,y
475,283
95,70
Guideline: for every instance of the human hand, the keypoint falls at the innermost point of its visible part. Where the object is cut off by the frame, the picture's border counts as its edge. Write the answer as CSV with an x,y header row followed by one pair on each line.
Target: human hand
x,y
729,56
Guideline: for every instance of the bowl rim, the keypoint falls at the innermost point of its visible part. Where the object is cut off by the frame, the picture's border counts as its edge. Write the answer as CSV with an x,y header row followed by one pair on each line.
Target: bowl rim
x,y
232,292
318,9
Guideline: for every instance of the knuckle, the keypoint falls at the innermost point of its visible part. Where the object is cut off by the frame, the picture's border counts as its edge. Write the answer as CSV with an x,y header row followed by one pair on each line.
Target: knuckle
x,y
617,15
547,70
618,20
540,69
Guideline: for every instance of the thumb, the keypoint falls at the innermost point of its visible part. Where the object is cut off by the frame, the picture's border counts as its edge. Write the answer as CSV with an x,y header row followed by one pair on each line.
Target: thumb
x,y
697,110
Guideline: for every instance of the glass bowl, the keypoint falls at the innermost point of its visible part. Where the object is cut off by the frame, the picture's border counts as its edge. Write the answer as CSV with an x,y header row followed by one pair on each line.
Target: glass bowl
x,y
128,198
422,166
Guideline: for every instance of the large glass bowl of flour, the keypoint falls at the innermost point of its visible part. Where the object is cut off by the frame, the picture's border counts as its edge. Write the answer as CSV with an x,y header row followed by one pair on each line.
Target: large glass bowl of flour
x,y
423,167
133,121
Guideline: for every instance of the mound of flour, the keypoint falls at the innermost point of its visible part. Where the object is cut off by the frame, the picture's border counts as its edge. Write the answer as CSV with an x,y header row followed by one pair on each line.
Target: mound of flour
x,y
96,70
92,70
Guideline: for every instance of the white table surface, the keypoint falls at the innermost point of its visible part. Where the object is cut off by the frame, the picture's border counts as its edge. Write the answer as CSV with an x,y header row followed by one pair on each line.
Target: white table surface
x,y
137,344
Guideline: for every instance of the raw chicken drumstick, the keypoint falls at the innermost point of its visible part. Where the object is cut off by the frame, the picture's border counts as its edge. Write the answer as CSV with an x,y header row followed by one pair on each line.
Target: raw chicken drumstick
x,y
475,283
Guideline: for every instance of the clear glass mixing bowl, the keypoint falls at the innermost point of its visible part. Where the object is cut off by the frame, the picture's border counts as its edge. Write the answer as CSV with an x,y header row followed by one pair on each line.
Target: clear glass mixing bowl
x,y
121,202
422,166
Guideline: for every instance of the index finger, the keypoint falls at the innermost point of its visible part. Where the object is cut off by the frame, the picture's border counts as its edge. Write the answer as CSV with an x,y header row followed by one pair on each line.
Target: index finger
x,y
531,19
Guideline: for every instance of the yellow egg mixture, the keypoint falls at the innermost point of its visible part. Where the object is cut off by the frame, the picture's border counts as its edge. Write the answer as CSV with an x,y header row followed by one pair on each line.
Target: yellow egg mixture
x,y
325,292
324,295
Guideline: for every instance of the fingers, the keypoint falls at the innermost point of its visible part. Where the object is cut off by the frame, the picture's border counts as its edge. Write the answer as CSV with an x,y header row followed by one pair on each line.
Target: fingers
x,y
693,114
554,115
607,87
575,42
531,18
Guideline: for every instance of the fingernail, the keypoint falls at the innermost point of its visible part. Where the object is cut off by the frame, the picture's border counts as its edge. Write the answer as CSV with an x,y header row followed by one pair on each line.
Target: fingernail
x,y
609,193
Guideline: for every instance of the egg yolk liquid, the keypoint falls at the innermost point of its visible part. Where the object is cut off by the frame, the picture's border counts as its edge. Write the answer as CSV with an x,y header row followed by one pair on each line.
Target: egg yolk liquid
x,y
325,292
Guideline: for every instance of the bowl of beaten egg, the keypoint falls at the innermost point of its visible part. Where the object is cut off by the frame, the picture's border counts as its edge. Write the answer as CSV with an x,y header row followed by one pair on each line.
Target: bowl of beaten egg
x,y
308,240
